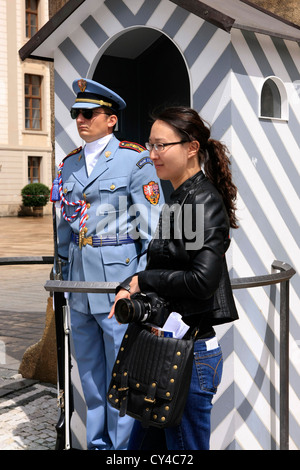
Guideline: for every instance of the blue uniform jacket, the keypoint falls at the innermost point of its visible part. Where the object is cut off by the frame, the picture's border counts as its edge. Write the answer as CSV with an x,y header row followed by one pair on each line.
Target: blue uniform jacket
x,y
123,196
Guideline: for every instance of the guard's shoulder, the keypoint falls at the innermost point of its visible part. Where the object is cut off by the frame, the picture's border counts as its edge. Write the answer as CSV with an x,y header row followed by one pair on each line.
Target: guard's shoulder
x,y
125,144
74,152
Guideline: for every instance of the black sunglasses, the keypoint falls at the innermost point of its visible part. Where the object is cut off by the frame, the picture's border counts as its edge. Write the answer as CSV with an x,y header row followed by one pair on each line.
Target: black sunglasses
x,y
86,113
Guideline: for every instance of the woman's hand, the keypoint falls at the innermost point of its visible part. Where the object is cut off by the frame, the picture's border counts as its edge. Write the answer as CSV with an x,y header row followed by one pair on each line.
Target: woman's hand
x,y
134,285
125,294
122,294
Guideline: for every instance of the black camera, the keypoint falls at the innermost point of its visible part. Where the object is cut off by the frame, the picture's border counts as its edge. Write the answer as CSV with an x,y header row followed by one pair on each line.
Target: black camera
x,y
142,308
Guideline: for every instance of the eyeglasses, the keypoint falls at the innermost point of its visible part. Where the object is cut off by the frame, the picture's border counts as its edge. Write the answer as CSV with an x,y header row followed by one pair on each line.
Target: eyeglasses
x,y
161,147
86,113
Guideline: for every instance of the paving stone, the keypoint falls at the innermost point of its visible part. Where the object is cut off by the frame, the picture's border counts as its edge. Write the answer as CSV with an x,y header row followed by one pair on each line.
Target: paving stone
x,y
28,409
20,428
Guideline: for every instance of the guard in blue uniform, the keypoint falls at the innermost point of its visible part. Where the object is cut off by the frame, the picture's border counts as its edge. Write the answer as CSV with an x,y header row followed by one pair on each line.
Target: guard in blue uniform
x,y
110,198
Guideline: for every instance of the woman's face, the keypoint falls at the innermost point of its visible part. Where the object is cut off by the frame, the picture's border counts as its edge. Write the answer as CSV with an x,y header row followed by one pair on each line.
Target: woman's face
x,y
177,162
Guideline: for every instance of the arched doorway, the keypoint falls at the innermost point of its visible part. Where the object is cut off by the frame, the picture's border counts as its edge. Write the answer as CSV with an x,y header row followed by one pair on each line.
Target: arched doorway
x,y
148,71
146,68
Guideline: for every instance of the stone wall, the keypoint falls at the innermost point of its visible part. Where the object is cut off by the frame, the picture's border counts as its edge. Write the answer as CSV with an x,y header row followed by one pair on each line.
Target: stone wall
x,y
55,5
287,9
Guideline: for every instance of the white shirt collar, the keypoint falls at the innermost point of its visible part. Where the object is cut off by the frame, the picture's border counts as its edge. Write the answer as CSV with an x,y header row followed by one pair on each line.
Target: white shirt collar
x,y
92,151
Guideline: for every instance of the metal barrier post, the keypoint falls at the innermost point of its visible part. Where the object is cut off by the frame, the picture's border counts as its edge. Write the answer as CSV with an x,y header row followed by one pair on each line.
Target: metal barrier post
x,y
284,365
284,361
283,278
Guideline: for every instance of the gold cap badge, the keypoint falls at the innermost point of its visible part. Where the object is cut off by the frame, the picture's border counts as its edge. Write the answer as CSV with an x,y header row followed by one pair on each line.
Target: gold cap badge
x,y
82,85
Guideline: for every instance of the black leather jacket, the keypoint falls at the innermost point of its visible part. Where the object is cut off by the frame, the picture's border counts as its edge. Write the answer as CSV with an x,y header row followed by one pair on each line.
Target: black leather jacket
x,y
193,278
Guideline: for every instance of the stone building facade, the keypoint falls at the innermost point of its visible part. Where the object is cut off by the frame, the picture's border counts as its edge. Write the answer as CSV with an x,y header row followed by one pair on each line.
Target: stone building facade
x,y
25,131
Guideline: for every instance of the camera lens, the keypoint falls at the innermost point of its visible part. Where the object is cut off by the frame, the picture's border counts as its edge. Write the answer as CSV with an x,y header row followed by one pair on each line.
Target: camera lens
x,y
124,311
129,310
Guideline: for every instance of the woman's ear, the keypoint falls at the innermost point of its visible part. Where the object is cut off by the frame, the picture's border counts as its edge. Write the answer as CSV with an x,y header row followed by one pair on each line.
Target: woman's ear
x,y
194,148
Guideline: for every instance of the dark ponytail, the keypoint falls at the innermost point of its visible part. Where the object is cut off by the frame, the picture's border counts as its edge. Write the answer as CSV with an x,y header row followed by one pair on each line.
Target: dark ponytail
x,y
212,154
217,169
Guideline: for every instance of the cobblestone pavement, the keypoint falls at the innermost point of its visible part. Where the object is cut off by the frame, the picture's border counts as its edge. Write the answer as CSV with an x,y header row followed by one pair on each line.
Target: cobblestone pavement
x,y
28,409
27,418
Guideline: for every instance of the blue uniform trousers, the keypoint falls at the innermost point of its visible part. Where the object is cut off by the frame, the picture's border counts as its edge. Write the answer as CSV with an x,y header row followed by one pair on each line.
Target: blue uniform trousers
x,y
97,340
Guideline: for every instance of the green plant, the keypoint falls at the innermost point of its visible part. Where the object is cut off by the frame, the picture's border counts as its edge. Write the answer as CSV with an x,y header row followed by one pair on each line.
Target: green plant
x,y
35,195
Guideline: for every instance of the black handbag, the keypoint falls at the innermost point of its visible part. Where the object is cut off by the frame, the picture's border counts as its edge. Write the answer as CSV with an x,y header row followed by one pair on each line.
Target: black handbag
x,y
151,377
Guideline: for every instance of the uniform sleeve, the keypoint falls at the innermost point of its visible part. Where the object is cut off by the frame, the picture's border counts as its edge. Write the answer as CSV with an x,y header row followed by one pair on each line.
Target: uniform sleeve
x,y
63,242
63,238
147,199
202,278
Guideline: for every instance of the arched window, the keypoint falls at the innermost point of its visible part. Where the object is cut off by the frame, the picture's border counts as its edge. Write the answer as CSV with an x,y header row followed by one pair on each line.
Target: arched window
x,y
273,100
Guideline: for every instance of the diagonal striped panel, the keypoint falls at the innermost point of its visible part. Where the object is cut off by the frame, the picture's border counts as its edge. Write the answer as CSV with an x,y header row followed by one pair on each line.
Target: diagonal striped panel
x,y
267,171
227,72
122,11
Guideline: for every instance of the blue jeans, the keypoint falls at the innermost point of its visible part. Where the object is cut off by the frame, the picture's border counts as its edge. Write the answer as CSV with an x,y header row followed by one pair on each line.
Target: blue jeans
x,y
193,433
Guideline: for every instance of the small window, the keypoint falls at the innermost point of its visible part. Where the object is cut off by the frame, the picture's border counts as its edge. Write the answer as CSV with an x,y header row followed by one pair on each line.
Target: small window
x,y
33,112
34,164
31,17
273,100
270,100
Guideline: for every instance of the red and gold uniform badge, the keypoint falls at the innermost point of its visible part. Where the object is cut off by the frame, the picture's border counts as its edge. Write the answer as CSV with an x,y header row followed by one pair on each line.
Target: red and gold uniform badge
x,y
151,192
82,85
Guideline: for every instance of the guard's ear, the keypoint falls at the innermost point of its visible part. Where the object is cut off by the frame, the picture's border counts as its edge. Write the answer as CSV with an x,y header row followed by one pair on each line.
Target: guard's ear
x,y
112,120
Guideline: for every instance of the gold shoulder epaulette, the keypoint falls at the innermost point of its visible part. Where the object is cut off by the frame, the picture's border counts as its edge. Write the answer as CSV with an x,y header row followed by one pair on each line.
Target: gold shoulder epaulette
x,y
73,152
132,146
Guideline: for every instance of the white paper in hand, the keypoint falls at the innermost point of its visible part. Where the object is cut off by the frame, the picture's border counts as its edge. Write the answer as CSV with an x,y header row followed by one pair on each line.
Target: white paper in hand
x,y
176,324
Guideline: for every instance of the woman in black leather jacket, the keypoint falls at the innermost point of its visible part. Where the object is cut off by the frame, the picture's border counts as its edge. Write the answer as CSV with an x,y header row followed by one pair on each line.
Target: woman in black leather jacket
x,y
186,261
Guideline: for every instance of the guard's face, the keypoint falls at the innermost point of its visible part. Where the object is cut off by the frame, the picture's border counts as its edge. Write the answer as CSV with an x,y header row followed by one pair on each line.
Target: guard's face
x,y
98,126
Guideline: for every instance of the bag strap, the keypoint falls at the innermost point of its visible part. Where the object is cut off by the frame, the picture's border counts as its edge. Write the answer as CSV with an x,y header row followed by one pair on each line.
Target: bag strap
x,y
191,333
123,389
149,403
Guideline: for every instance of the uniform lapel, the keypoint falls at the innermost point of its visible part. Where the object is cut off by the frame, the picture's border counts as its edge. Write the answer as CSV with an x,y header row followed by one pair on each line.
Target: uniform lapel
x,y
103,161
79,170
